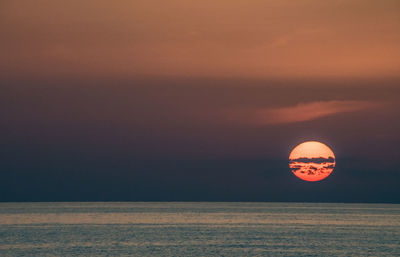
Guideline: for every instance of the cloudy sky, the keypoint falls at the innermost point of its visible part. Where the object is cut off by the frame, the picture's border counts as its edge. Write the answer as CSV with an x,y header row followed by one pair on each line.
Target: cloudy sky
x,y
183,100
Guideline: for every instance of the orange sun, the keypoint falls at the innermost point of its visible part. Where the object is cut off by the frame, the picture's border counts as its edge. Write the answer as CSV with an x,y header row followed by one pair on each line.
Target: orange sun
x,y
312,161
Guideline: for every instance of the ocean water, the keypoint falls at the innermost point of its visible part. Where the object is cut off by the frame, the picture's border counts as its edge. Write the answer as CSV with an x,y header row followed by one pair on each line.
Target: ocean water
x,y
199,229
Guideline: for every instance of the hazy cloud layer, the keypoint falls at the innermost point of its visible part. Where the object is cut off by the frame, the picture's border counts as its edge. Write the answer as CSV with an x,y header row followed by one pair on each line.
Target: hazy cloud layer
x,y
308,111
97,38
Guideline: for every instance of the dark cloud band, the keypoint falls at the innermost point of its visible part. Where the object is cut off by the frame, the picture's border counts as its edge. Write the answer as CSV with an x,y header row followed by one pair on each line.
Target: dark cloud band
x,y
314,160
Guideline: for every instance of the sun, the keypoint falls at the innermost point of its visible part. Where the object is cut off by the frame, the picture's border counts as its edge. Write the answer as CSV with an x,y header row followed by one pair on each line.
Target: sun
x,y
312,161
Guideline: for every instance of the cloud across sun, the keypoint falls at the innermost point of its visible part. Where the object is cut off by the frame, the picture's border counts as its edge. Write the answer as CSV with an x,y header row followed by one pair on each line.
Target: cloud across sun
x,y
312,161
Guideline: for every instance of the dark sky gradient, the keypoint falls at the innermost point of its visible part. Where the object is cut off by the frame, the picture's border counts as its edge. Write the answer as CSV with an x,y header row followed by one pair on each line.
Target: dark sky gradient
x,y
175,139
197,100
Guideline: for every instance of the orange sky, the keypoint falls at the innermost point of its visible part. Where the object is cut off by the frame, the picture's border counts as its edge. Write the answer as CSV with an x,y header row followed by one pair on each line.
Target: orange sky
x,y
212,38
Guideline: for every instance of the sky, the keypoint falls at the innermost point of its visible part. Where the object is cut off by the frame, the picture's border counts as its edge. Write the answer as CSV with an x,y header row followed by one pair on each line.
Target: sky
x,y
197,101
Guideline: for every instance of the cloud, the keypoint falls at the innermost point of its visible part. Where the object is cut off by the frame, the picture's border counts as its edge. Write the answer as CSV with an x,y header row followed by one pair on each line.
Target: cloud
x,y
318,160
308,111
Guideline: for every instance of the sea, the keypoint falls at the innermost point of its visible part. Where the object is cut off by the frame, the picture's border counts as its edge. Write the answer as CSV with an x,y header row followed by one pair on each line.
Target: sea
x,y
199,229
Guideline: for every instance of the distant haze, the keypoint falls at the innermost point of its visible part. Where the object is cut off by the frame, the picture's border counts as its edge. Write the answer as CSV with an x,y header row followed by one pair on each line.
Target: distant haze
x,y
97,38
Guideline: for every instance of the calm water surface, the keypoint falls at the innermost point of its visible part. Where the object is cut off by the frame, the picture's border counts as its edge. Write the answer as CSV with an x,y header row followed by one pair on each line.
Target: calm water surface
x,y
199,229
